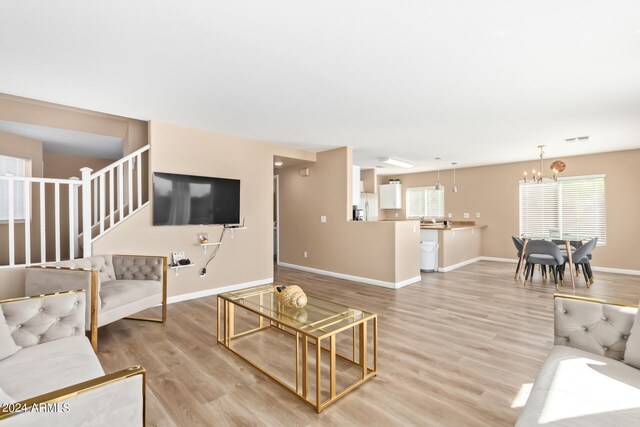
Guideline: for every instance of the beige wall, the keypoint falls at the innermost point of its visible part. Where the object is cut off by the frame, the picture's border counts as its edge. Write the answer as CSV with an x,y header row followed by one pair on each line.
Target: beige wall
x,y
493,191
384,251
246,257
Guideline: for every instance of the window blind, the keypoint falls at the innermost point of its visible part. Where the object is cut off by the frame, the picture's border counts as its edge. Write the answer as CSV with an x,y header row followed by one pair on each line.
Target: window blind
x,y
425,201
12,166
574,205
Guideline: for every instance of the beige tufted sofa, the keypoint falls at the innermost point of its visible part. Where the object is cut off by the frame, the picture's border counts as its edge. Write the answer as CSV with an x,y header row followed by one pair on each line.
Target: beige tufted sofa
x,y
52,376
591,376
117,286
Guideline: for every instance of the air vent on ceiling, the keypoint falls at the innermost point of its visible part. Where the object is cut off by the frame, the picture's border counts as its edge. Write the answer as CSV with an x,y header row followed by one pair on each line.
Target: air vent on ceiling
x,y
577,139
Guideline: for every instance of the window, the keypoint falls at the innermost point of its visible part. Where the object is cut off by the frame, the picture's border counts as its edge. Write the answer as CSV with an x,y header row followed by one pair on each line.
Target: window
x,y
12,166
573,205
425,201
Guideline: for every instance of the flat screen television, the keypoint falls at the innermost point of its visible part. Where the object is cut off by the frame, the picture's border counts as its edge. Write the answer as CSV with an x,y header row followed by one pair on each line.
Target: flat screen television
x,y
195,200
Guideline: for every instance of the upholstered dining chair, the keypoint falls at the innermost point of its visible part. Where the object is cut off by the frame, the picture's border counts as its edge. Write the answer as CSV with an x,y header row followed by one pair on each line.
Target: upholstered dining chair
x,y
545,254
582,257
518,243
117,286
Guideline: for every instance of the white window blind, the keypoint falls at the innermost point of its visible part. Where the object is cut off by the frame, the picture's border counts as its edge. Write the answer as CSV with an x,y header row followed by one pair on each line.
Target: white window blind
x,y
425,201
12,166
574,205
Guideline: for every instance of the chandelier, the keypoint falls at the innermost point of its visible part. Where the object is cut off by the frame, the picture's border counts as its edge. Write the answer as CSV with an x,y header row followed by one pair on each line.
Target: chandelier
x,y
556,168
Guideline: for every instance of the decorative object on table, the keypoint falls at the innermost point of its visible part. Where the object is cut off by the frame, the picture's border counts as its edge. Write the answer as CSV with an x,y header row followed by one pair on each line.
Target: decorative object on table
x,y
394,181
557,167
291,296
203,238
177,256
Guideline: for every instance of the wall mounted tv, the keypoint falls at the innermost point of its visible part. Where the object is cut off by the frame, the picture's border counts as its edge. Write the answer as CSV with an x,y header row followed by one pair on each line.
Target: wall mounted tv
x,y
195,200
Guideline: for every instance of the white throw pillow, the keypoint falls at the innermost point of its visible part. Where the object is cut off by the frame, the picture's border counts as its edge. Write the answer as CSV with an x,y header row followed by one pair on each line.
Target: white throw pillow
x,y
632,352
8,347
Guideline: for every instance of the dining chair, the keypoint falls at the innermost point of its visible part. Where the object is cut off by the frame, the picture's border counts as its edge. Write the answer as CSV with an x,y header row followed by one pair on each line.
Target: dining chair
x,y
518,243
582,257
546,254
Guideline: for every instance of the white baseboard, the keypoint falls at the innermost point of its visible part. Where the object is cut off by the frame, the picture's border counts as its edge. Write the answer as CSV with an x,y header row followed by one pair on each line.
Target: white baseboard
x,y
216,291
616,270
458,265
382,283
496,259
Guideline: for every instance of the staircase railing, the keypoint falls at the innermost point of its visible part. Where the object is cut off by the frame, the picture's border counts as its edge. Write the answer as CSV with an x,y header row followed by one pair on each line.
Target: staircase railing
x,y
95,203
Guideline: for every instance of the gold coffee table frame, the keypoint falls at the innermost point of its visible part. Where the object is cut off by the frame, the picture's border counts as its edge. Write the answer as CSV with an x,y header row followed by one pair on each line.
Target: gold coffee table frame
x,y
326,320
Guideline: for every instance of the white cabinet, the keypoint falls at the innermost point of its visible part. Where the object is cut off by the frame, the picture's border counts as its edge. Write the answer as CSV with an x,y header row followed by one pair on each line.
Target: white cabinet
x,y
355,185
391,196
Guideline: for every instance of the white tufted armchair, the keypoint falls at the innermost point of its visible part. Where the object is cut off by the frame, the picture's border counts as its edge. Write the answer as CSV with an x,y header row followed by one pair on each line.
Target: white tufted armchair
x,y
591,376
50,375
117,286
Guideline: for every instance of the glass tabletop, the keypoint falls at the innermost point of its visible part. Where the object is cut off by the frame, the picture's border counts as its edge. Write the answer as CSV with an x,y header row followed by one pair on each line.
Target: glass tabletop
x,y
552,236
318,318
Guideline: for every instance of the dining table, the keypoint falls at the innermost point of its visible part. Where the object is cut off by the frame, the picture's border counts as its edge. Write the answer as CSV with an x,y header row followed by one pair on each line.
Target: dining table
x,y
567,238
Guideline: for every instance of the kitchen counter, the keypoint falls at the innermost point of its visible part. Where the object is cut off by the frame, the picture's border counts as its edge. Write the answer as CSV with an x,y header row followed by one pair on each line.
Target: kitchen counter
x,y
452,228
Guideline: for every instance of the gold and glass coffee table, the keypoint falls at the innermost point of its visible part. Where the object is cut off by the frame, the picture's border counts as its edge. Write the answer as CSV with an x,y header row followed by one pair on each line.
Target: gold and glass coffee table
x,y
268,325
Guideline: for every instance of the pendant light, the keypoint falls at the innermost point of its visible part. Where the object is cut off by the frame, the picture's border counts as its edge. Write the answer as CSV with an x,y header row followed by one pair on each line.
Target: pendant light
x,y
438,185
454,189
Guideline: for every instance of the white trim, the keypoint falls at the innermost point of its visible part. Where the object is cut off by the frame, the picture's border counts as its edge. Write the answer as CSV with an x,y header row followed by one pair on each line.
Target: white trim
x,y
382,283
496,259
458,265
215,291
616,270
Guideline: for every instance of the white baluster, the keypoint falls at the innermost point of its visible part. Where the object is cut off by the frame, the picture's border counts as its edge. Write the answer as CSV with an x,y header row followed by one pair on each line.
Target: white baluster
x,y
76,217
120,191
111,198
130,168
102,203
86,212
43,226
27,222
56,208
12,257
95,201
139,170
72,248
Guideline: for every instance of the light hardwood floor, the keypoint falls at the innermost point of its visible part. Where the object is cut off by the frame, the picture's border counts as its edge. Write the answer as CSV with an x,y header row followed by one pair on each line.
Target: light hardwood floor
x,y
454,349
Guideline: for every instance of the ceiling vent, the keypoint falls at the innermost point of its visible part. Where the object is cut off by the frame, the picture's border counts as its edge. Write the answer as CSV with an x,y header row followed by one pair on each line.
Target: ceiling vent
x,y
577,139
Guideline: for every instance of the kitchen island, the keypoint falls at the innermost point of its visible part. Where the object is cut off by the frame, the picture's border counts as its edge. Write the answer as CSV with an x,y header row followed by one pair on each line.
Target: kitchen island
x,y
458,244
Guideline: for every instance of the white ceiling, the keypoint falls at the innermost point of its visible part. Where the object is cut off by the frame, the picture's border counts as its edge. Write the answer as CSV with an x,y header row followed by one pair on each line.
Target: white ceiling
x,y
65,141
469,81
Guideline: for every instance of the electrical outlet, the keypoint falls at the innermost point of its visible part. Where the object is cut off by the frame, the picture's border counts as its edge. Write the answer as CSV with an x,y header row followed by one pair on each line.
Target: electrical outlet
x,y
477,214
450,215
397,215
305,254
323,218
466,215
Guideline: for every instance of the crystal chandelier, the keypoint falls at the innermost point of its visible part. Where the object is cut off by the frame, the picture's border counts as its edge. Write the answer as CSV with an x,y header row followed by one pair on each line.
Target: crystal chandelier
x,y
556,167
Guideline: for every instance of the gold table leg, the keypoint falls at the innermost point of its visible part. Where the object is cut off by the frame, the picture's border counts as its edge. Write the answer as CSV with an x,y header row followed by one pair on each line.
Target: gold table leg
x,y
318,374
297,361
305,367
375,344
363,348
219,301
332,366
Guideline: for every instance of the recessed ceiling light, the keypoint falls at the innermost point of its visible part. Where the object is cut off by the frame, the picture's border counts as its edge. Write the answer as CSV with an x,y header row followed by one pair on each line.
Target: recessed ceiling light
x,y
577,139
278,163
396,162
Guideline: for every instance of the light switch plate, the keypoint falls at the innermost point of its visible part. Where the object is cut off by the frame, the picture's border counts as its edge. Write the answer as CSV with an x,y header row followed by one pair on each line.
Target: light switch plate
x,y
466,215
305,254
323,218
450,215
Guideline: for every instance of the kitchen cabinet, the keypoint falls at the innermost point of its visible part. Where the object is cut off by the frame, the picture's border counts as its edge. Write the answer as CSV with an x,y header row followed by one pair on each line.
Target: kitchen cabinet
x,y
355,185
391,196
